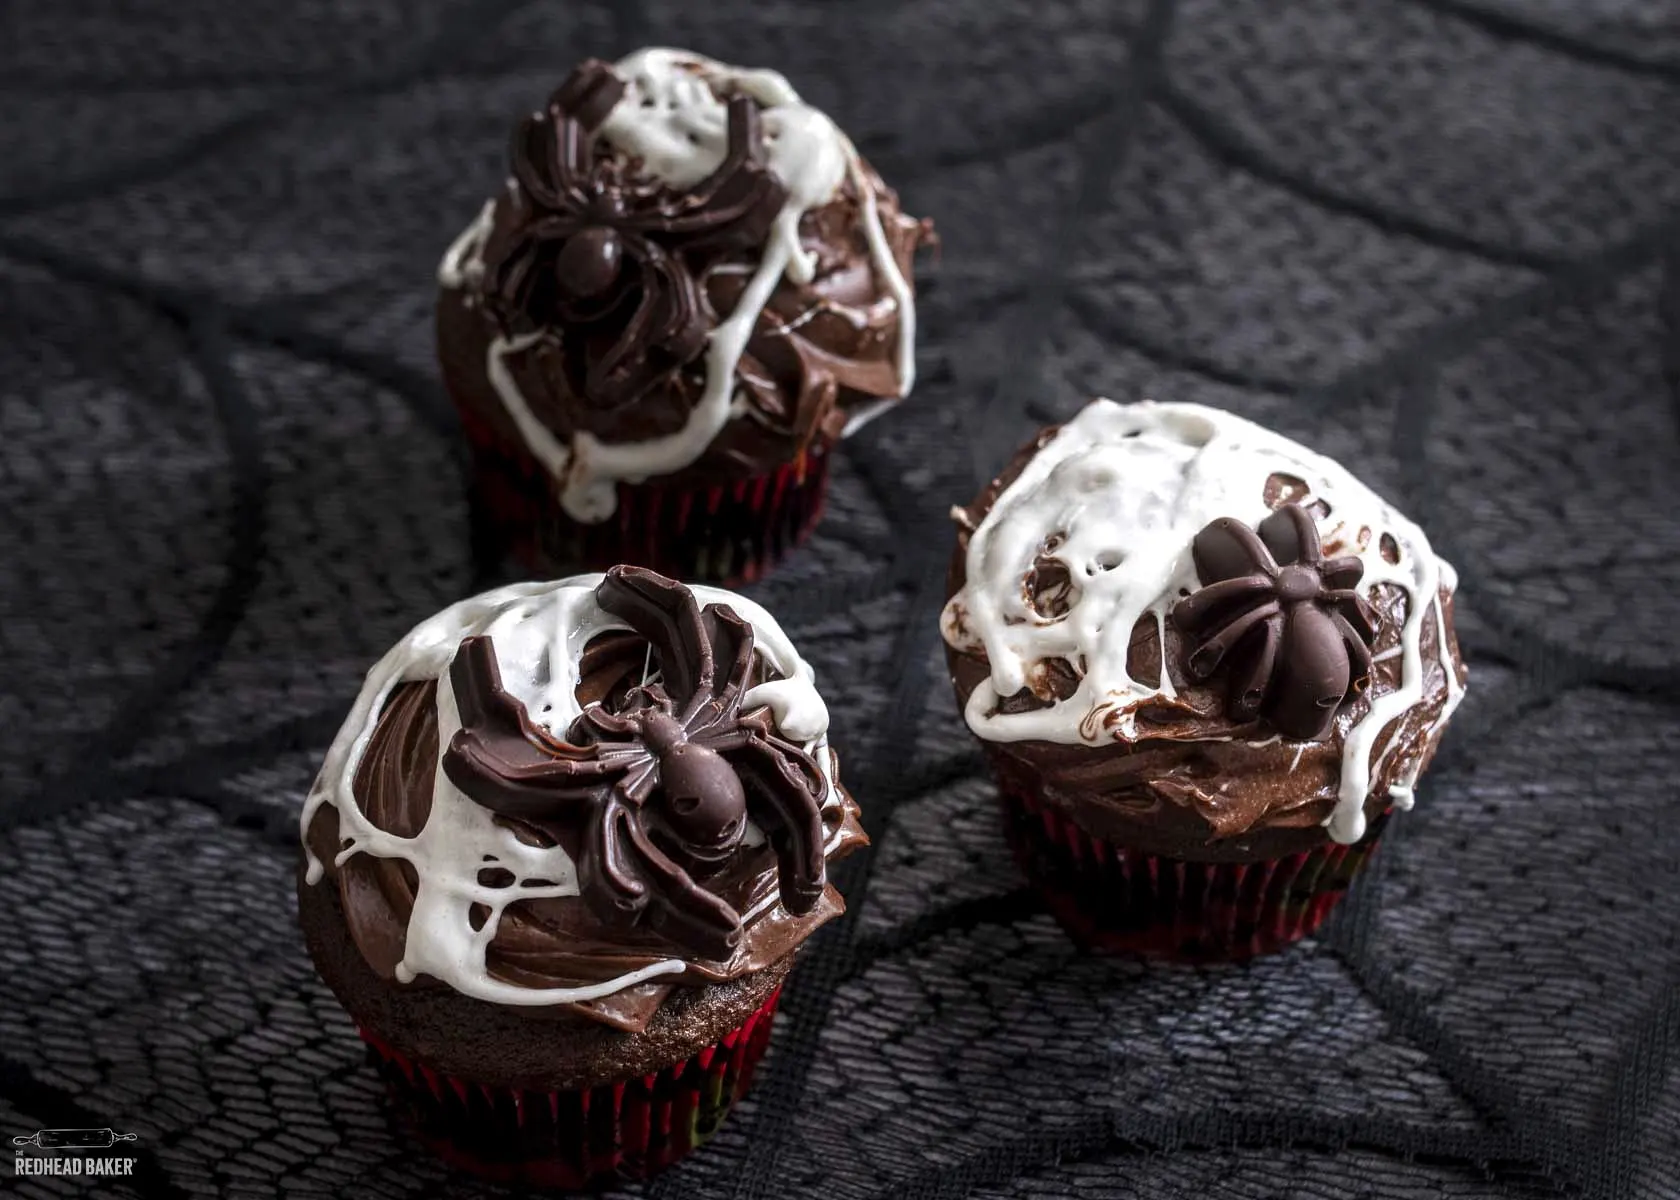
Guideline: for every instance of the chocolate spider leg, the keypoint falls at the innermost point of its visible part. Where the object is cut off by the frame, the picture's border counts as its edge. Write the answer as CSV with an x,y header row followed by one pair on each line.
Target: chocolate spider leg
x,y
732,647
633,360
1253,676
608,868
619,371
737,203
666,614
589,93
683,910
479,748
1358,611
518,274
790,815
606,724
733,739
528,791
571,155
1341,572
509,775
499,757
475,679
523,163
1226,549
1358,652
640,779
739,217
1196,608
515,276
1291,535
685,328
1213,649
672,313
647,695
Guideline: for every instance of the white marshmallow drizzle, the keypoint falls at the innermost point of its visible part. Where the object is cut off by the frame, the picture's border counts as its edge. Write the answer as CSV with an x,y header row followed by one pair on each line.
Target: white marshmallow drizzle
x,y
539,631
1127,487
670,117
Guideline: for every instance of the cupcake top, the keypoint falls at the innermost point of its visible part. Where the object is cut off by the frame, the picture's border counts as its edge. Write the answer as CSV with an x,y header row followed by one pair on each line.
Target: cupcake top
x,y
576,795
690,272
1200,630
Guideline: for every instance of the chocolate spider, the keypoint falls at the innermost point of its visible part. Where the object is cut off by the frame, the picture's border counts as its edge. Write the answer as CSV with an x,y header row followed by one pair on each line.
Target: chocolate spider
x,y
1292,624
661,789
606,249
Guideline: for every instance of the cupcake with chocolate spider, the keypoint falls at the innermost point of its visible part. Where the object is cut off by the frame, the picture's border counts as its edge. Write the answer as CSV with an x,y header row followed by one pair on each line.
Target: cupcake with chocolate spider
x,y
559,861
689,290
1206,665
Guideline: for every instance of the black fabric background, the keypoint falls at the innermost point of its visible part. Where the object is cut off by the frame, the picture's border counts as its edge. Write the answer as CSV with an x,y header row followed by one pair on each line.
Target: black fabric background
x,y
1436,238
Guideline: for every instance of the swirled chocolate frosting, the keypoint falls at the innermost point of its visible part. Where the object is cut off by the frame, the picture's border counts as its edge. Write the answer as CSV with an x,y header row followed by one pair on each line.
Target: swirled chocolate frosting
x,y
1196,636
690,276
671,833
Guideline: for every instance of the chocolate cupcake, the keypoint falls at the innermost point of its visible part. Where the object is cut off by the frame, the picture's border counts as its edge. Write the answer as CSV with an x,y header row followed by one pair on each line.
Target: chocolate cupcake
x,y
1205,663
559,861
689,290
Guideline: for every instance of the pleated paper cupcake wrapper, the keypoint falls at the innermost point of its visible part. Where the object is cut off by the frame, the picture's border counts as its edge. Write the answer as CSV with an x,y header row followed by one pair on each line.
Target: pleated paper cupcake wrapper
x,y
722,533
1116,899
629,1128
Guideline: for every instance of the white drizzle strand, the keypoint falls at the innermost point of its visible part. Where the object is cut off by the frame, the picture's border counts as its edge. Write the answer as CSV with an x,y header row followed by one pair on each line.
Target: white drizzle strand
x,y
1126,487
538,631
671,118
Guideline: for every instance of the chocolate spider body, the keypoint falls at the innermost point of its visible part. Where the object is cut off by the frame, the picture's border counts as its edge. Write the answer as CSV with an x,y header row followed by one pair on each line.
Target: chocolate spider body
x,y
663,786
1291,625
606,250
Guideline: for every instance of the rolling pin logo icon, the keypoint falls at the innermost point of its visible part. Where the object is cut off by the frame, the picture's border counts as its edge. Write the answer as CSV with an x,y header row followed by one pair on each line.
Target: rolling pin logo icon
x,y
72,1139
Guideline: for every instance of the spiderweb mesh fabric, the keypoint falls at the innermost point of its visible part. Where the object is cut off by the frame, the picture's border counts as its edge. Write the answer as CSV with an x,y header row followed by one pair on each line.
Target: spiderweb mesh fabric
x,y
1435,238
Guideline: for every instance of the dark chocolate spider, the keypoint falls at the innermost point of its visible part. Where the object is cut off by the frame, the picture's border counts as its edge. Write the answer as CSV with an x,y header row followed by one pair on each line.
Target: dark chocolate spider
x,y
1292,625
614,258
660,790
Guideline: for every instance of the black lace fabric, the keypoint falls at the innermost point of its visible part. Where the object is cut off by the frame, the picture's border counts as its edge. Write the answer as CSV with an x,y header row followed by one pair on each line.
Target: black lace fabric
x,y
1437,239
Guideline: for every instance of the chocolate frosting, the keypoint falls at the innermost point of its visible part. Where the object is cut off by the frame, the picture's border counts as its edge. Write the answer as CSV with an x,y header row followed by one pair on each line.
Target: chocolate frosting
x,y
667,864
1209,777
616,279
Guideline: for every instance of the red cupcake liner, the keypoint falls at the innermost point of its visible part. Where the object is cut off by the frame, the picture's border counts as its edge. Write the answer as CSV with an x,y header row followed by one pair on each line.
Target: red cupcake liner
x,y
627,1128
1116,899
724,533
